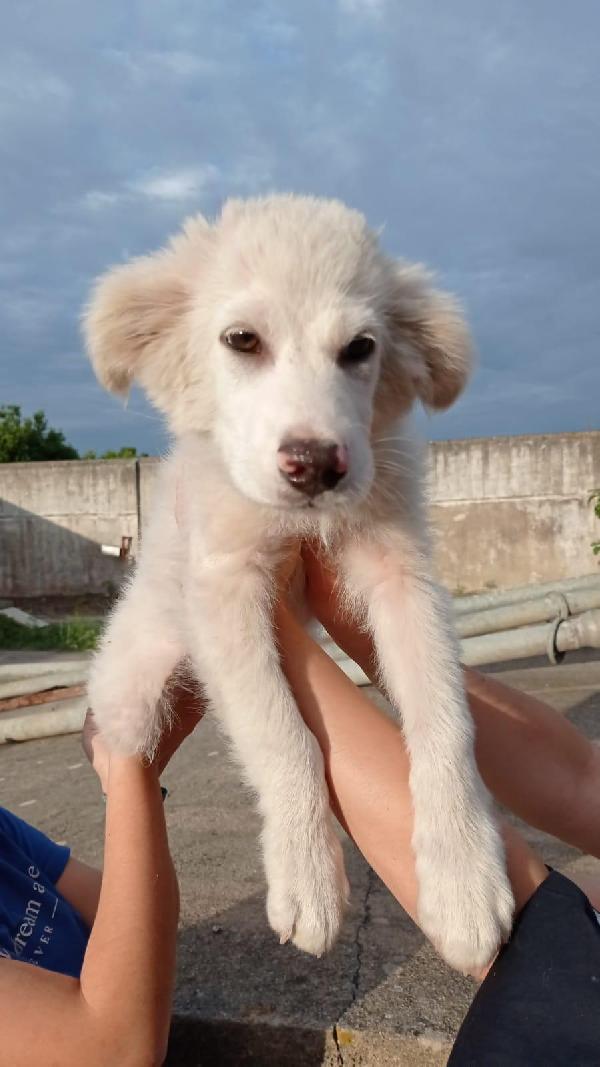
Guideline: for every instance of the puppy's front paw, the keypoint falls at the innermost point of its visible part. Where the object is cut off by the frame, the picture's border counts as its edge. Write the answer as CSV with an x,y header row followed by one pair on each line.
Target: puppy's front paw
x,y
465,900
308,891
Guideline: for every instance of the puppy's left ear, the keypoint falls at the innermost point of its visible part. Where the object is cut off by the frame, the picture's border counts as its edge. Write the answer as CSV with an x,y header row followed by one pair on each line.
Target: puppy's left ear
x,y
430,352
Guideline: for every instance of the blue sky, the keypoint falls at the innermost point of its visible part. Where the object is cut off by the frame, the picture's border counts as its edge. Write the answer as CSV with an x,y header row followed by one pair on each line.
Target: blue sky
x,y
470,131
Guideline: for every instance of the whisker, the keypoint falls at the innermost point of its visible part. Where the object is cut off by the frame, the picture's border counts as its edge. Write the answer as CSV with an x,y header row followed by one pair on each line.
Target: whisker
x,y
390,452
143,414
399,438
389,464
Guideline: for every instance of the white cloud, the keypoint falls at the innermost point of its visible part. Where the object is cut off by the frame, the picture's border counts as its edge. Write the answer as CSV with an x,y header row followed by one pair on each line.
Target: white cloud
x,y
176,185
97,199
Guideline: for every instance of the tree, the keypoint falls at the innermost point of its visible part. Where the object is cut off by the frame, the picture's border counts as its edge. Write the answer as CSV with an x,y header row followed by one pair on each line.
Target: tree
x,y
23,440
126,452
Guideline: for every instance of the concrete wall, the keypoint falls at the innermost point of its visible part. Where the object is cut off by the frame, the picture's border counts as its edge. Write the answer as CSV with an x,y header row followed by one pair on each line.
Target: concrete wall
x,y
53,519
513,510
506,511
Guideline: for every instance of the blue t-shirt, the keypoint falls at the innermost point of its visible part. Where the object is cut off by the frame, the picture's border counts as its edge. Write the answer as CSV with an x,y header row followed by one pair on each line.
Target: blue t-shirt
x,y
37,925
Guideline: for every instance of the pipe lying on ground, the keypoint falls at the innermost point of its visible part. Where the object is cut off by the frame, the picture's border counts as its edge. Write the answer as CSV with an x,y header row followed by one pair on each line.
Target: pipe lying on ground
x,y
28,724
347,665
32,676
541,609
45,696
464,605
552,639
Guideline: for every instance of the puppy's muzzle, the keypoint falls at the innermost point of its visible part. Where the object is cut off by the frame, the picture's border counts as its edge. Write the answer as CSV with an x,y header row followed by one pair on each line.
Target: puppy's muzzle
x,y
312,466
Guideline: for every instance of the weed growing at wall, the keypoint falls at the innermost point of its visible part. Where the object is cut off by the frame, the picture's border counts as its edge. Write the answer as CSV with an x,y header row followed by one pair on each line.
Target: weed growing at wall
x,y
75,635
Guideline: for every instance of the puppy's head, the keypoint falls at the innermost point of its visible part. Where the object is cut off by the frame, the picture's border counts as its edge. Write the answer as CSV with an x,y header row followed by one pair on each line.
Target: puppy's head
x,y
283,332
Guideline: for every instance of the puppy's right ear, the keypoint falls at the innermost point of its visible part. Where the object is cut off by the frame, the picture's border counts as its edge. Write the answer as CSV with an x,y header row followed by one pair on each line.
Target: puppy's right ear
x,y
133,311
134,320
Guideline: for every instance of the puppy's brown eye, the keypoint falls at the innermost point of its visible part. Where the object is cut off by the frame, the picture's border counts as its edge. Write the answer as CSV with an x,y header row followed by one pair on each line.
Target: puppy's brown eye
x,y
358,351
242,340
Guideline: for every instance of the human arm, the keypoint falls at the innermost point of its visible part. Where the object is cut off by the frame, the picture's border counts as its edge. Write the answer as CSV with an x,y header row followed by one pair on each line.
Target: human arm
x,y
119,1009
79,883
367,768
532,759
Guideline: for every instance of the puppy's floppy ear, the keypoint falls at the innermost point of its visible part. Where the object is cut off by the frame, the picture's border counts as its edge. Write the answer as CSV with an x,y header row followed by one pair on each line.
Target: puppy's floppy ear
x,y
132,309
136,311
430,351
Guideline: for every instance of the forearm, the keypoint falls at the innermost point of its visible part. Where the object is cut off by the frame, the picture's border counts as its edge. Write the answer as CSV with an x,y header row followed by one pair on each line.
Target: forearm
x,y
118,1012
536,762
81,884
128,972
367,768
533,759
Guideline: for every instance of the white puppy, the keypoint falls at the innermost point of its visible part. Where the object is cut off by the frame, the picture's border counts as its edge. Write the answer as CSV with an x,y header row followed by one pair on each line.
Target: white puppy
x,y
285,350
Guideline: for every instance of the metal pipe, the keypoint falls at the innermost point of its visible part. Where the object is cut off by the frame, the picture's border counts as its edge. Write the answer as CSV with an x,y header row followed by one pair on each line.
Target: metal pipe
x,y
122,551
552,639
541,609
46,696
110,550
347,665
31,676
480,601
28,724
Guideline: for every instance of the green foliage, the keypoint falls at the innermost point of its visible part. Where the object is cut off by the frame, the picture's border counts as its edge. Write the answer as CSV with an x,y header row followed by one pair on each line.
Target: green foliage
x,y
75,635
127,452
23,440
595,499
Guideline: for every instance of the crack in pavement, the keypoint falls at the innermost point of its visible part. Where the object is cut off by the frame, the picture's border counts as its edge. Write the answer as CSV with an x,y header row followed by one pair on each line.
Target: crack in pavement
x,y
358,945
340,1055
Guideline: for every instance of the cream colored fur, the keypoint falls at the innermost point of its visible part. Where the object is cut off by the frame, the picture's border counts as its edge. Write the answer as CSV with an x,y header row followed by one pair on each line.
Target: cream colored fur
x,y
306,275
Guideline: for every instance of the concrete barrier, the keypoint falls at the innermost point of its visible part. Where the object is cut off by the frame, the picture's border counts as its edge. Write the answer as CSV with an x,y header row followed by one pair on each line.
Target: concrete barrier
x,y
513,510
50,720
53,519
505,510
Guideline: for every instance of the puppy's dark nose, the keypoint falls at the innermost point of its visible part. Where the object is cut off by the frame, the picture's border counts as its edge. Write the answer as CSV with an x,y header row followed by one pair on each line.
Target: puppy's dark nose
x,y
312,466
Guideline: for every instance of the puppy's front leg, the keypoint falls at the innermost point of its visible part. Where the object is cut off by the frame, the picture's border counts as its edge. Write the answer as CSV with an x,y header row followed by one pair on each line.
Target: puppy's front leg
x,y
232,642
142,643
465,900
